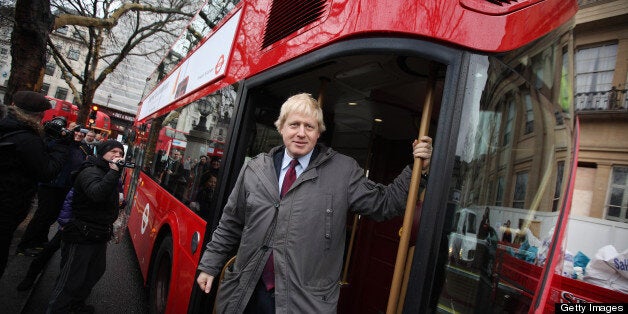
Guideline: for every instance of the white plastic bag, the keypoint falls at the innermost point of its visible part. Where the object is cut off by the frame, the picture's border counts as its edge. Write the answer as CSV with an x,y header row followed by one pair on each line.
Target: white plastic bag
x,y
608,269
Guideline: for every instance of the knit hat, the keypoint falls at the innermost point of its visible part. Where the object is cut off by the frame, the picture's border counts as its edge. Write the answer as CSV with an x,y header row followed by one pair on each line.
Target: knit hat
x,y
103,147
31,101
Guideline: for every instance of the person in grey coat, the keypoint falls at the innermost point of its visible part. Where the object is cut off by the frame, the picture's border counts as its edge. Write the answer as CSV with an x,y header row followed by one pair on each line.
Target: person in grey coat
x,y
303,226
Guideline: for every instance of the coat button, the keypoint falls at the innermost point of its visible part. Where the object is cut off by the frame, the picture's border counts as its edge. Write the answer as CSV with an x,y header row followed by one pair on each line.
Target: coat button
x,y
327,235
329,210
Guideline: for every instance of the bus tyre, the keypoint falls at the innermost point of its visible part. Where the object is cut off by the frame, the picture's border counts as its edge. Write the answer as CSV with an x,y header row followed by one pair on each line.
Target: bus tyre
x,y
160,277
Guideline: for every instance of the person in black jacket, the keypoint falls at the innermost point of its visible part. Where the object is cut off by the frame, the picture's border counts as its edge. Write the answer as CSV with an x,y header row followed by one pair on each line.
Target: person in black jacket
x,y
84,238
24,161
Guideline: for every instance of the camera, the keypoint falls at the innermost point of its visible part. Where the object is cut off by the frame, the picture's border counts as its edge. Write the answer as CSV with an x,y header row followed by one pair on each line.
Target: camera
x,y
122,163
56,128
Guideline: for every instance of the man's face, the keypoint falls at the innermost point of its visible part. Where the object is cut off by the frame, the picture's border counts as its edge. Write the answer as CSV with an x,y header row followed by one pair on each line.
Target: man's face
x,y
212,182
90,137
215,164
79,136
176,155
299,133
114,153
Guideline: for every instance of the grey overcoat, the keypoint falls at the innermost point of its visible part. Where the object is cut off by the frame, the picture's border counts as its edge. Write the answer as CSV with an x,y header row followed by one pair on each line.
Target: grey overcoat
x,y
309,239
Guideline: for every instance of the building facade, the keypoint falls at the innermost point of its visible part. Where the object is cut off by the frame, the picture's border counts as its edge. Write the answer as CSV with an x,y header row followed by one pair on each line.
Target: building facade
x,y
599,60
600,56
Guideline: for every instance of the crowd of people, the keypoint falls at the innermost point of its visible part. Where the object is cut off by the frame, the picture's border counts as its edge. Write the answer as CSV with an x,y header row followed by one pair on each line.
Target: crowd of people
x,y
192,181
74,177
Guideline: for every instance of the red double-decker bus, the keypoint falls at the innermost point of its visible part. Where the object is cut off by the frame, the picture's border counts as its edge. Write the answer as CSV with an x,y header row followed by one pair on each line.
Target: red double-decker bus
x,y
485,79
62,108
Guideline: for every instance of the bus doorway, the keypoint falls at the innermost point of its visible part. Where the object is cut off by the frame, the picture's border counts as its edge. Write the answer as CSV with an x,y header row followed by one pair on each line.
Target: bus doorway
x,y
372,107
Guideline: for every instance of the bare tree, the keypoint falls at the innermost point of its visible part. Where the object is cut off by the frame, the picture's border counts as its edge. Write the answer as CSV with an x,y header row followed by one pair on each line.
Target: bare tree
x,y
32,24
111,31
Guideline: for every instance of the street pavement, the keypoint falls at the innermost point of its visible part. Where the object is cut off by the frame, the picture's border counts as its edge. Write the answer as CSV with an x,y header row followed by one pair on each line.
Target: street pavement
x,y
120,290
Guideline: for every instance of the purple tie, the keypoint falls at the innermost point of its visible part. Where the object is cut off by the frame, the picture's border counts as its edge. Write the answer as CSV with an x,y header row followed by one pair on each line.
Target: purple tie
x,y
268,275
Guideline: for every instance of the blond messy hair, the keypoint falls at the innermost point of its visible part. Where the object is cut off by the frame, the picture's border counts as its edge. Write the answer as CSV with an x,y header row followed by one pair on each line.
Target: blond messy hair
x,y
304,104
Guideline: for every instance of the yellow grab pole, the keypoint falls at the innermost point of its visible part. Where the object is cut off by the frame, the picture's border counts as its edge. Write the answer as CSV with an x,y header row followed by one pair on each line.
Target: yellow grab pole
x,y
345,271
413,191
321,90
406,279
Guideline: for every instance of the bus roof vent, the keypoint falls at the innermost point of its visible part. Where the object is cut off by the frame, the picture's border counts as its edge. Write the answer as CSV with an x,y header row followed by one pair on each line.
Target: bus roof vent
x,y
288,16
496,7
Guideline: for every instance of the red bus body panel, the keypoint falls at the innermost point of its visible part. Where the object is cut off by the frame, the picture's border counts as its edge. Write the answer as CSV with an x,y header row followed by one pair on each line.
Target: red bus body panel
x,y
448,22
62,108
154,210
525,276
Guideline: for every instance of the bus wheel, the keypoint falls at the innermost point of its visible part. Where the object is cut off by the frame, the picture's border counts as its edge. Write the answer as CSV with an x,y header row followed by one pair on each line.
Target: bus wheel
x,y
160,277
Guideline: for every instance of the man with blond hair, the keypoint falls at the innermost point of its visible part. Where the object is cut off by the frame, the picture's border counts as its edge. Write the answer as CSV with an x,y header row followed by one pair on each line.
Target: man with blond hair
x,y
286,217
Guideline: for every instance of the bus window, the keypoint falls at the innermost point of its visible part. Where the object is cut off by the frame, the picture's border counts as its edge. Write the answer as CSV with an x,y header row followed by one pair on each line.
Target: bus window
x,y
509,144
188,149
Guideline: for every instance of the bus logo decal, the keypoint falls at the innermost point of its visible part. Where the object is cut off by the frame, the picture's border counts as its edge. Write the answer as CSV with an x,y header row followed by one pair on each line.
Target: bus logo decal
x,y
219,64
145,218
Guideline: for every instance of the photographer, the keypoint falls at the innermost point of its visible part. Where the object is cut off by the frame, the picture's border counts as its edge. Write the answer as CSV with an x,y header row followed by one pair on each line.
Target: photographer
x,y
24,161
95,206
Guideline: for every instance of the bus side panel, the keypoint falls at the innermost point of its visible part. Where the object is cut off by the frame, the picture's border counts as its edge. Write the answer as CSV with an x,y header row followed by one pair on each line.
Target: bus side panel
x,y
61,108
152,212
142,220
185,224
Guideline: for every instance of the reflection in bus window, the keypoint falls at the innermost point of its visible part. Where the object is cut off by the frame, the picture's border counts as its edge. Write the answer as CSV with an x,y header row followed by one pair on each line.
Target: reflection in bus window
x,y
511,154
188,149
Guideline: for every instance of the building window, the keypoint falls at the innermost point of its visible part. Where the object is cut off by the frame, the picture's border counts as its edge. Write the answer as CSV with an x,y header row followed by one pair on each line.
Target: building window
x,y
4,51
50,69
62,30
45,88
529,127
521,184
499,195
618,195
61,93
560,169
73,54
594,74
510,119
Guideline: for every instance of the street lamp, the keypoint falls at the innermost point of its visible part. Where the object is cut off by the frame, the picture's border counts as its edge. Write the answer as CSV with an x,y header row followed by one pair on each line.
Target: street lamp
x,y
204,108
